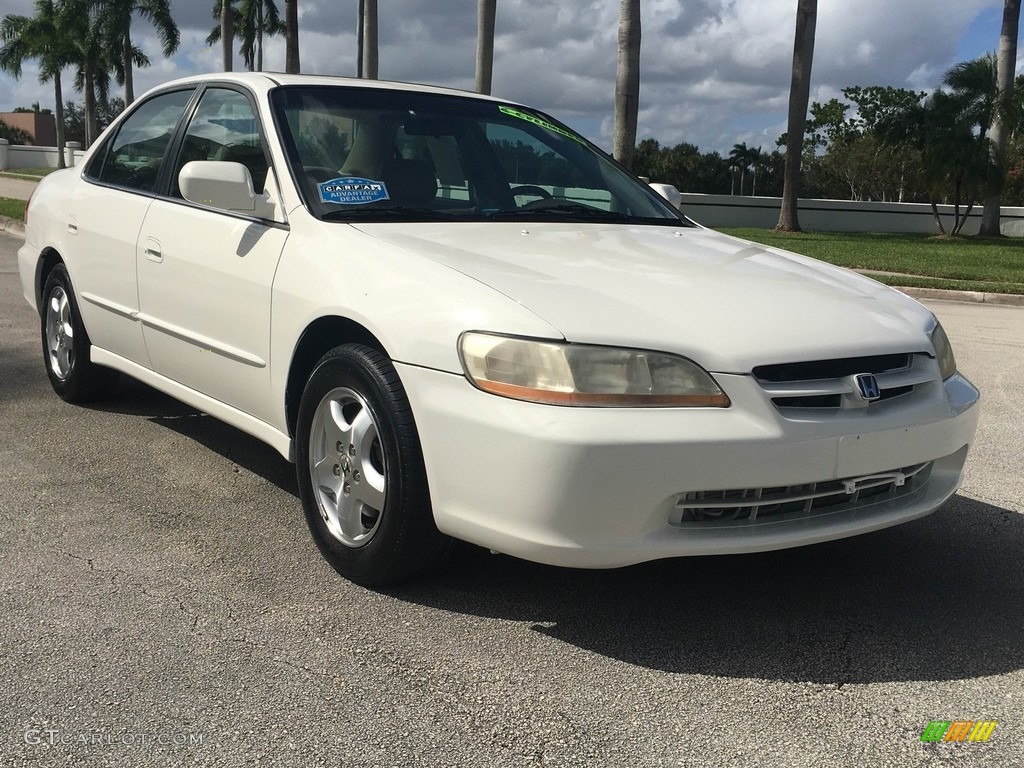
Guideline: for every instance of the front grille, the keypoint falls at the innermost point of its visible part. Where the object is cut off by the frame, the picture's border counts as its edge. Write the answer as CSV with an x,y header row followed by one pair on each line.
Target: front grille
x,y
798,501
831,369
830,383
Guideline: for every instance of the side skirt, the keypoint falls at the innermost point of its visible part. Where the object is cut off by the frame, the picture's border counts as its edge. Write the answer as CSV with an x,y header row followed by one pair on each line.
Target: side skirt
x,y
259,429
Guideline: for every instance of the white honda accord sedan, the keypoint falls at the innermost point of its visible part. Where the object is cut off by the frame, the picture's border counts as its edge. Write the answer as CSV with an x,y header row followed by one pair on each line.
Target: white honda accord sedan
x,y
461,320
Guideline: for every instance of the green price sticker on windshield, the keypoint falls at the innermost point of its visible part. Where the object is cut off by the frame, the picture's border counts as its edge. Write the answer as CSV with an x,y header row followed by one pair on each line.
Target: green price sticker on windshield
x,y
542,123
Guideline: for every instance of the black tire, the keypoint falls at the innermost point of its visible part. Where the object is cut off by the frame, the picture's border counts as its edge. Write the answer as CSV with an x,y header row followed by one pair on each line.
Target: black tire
x,y
73,375
376,546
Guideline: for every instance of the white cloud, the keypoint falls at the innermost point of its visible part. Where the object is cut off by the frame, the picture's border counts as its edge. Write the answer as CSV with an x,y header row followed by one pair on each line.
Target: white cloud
x,y
713,72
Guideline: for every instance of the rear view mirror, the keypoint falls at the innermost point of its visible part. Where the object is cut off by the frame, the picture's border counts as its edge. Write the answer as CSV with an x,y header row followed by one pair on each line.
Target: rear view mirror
x,y
219,184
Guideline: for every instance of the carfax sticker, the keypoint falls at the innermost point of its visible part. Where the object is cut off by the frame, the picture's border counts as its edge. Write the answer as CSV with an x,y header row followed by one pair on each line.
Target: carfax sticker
x,y
538,121
352,190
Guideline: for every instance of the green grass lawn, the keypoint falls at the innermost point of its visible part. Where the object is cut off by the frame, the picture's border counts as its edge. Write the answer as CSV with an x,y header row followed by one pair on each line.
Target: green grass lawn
x,y
15,209
36,173
965,263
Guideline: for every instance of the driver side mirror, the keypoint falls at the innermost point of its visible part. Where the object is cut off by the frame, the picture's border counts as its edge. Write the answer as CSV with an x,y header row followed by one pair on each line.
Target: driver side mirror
x,y
218,184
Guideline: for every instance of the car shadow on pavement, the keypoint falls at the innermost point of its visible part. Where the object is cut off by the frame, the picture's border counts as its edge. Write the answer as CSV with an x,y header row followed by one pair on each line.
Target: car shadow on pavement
x,y
936,599
138,399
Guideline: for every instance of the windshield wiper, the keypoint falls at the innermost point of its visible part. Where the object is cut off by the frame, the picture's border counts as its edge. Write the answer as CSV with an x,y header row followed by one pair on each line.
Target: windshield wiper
x,y
390,212
565,212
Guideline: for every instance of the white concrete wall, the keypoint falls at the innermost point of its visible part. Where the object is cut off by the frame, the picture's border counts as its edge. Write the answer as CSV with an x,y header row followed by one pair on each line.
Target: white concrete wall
x,y
19,156
835,215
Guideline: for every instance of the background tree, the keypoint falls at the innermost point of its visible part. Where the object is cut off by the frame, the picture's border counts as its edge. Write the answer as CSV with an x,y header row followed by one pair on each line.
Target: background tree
x,y
116,18
226,15
799,94
627,82
291,35
90,57
40,37
485,13
252,20
370,39
1006,65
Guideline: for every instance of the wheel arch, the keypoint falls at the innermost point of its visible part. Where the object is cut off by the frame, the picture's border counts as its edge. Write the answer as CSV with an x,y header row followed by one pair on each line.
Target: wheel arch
x,y
48,259
318,338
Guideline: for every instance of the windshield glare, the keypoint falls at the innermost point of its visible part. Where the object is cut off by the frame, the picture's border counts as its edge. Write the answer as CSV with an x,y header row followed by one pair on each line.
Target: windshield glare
x,y
365,153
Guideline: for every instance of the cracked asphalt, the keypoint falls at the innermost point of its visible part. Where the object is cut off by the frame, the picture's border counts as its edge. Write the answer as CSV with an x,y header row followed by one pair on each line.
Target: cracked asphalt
x,y
162,604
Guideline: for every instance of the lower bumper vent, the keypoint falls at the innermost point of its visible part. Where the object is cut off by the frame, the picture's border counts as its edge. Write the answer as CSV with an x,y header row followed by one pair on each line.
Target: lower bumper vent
x,y
750,504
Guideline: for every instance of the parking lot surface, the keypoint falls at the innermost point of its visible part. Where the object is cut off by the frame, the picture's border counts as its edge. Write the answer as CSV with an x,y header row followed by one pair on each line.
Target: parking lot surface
x,y
161,603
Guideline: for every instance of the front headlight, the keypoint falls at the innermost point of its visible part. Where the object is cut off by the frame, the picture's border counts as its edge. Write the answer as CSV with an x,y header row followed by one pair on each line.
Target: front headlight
x,y
943,351
576,374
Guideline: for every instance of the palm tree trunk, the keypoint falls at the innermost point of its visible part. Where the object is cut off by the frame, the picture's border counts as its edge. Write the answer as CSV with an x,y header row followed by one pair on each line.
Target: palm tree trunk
x,y
129,85
485,14
89,106
259,36
1006,64
799,93
58,114
370,39
227,32
627,82
743,177
291,37
935,214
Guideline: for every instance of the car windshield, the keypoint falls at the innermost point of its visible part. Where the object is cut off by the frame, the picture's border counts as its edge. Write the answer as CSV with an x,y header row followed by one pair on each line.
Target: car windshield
x,y
365,154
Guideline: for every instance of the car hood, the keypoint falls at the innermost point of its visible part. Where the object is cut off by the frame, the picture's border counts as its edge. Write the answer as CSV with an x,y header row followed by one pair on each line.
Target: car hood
x,y
725,303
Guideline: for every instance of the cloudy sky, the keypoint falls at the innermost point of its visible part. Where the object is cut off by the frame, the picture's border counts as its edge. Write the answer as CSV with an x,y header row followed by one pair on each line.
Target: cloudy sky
x,y
713,72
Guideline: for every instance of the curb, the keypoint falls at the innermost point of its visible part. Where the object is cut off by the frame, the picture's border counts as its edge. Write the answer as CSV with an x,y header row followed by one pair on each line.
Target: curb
x,y
11,226
970,297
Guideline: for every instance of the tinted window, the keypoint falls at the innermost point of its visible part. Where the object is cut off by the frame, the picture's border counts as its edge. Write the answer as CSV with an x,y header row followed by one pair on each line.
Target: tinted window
x,y
224,128
134,154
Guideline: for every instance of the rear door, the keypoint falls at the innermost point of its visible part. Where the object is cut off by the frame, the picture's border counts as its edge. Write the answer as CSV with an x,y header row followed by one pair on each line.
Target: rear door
x,y
105,214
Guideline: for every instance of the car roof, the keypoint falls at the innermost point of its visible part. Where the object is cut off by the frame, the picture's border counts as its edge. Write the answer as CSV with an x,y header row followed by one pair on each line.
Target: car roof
x,y
264,81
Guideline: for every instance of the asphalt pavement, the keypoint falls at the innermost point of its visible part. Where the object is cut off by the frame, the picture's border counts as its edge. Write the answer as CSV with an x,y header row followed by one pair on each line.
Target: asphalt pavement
x,y
162,604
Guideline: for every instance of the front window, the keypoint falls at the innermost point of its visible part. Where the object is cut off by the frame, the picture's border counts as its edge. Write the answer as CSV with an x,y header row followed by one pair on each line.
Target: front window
x,y
365,153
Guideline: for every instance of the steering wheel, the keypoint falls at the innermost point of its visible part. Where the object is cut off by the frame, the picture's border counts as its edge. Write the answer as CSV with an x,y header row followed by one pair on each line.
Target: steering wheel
x,y
320,173
530,189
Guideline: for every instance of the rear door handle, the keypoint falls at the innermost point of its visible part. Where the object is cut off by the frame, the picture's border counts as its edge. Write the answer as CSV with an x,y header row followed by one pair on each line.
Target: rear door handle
x,y
152,250
73,225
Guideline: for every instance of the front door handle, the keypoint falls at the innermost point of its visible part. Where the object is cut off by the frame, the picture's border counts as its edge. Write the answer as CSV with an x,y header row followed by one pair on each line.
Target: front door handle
x,y
73,225
152,250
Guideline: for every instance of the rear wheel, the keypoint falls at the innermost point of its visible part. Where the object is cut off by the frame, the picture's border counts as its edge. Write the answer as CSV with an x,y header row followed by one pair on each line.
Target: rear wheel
x,y
66,347
360,470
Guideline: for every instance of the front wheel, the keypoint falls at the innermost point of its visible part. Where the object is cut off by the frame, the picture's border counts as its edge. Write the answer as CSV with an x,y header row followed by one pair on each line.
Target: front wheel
x,y
360,470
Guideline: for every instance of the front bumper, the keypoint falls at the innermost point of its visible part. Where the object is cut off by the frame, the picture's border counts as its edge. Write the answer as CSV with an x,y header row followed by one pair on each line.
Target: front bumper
x,y
599,488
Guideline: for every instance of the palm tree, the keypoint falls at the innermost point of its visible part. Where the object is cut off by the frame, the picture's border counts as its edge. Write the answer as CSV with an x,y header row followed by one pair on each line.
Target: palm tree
x,y
252,19
39,37
291,36
739,155
116,17
259,18
485,13
225,13
799,94
370,39
974,86
1006,65
90,57
754,159
627,82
